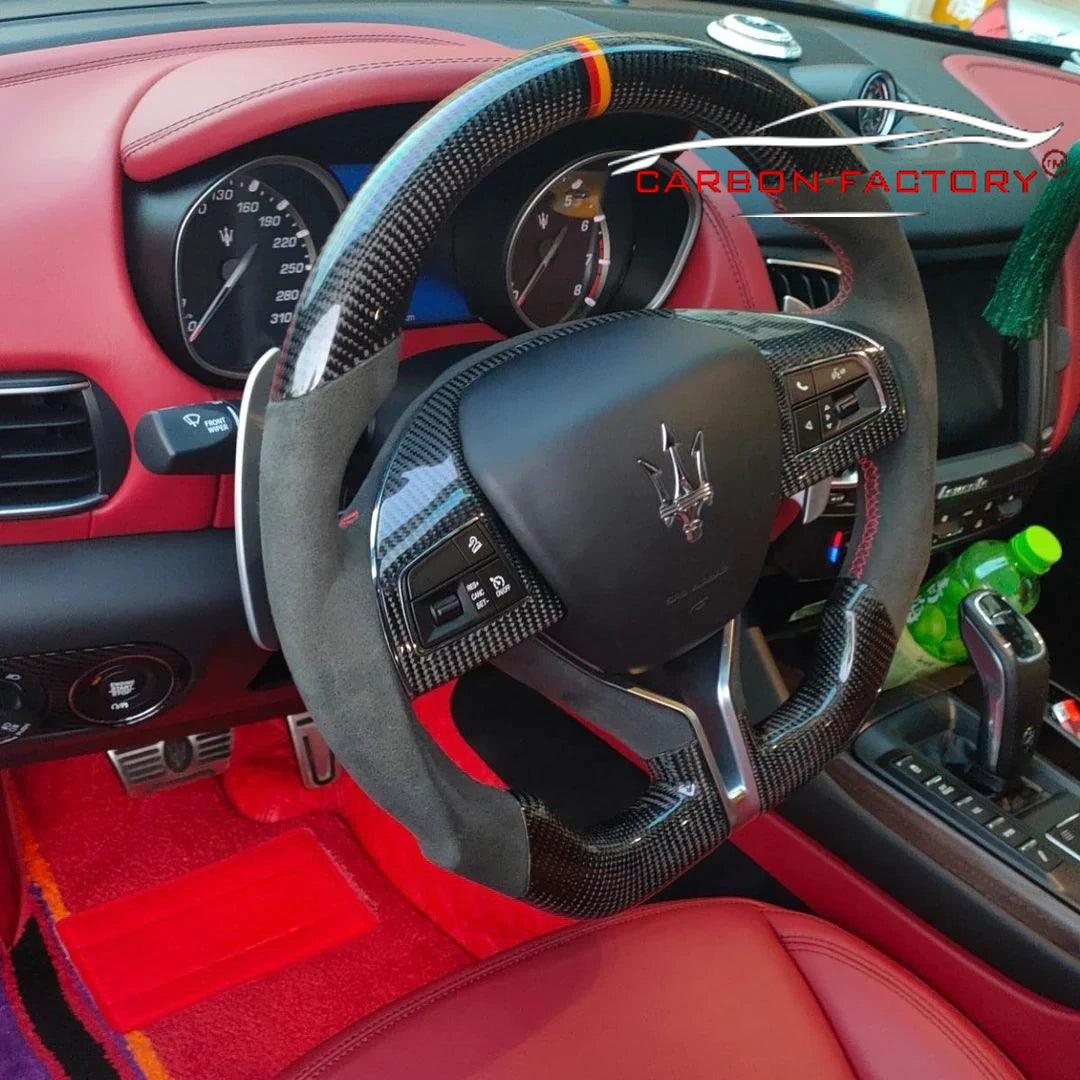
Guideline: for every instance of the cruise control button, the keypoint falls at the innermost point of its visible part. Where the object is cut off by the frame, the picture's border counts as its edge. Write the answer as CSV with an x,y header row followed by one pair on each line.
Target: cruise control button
x,y
446,609
1009,831
975,808
1043,857
474,545
505,585
800,387
808,426
839,373
479,596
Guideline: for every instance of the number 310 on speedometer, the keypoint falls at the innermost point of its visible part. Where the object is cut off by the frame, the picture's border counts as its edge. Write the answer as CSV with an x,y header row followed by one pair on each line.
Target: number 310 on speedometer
x,y
243,253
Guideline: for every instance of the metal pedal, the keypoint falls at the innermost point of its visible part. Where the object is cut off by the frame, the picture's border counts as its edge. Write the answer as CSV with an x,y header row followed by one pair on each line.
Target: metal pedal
x,y
314,759
146,769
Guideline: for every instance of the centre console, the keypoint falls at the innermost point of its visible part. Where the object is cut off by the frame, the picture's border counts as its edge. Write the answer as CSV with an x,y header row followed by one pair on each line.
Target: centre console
x,y
998,759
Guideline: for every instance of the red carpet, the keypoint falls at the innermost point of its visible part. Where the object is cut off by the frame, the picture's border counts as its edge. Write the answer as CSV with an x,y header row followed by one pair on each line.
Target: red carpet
x,y
95,853
151,953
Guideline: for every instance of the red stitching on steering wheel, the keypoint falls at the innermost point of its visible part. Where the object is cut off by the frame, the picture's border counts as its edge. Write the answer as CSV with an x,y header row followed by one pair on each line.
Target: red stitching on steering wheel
x,y
871,489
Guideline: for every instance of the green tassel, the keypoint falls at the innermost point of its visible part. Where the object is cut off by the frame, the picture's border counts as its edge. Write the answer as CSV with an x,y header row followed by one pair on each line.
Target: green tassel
x,y
1018,307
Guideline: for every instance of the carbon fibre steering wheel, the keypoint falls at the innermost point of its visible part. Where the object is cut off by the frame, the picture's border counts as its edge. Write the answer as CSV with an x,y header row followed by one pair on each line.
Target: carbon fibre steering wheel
x,y
595,500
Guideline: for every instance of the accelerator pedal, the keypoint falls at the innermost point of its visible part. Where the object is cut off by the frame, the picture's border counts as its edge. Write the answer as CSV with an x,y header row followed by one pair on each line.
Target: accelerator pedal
x,y
145,769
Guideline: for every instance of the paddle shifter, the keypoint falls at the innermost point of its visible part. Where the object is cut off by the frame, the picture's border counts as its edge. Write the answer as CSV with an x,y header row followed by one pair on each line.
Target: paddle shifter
x,y
1011,659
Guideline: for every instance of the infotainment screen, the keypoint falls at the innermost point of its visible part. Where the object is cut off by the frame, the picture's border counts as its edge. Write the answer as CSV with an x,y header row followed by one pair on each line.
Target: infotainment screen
x,y
978,370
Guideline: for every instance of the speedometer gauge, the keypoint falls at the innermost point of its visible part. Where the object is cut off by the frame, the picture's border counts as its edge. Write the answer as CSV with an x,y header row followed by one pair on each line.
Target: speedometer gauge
x,y
560,250
243,253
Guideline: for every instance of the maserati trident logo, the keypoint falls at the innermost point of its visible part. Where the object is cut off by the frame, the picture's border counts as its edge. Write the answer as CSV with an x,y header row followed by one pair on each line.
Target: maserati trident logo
x,y
686,502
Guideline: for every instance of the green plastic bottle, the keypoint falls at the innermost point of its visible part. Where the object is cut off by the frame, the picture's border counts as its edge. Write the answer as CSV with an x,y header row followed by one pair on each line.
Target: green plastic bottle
x,y
932,640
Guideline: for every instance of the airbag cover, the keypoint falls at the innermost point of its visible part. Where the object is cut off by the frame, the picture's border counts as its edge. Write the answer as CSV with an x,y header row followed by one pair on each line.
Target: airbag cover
x,y
556,438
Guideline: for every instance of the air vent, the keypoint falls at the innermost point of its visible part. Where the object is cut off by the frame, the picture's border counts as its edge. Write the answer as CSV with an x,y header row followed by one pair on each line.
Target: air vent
x,y
810,285
58,446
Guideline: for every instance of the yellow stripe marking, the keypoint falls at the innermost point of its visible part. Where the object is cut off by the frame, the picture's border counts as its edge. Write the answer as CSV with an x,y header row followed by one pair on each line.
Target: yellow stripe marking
x,y
603,75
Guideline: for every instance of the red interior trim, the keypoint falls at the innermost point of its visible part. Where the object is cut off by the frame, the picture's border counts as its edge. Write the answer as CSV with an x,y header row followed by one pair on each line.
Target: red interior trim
x,y
1040,1036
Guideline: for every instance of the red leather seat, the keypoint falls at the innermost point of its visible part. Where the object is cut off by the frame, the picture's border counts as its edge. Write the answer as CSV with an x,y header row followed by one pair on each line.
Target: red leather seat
x,y
710,988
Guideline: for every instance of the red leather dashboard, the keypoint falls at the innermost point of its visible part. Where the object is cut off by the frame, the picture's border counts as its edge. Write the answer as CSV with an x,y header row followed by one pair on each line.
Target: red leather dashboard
x,y
146,107
91,114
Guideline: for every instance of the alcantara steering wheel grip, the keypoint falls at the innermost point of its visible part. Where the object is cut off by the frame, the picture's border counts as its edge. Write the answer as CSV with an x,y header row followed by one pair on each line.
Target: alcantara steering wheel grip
x,y
607,536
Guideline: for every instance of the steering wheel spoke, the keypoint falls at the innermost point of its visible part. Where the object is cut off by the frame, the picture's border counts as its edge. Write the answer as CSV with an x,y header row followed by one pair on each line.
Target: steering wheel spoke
x,y
453,585
839,397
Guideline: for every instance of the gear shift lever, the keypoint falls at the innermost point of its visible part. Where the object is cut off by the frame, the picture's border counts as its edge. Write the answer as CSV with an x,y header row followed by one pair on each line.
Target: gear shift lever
x,y
1010,657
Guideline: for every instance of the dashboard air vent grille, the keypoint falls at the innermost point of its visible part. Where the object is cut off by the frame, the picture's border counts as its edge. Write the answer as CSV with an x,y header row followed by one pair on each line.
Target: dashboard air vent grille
x,y
812,284
49,460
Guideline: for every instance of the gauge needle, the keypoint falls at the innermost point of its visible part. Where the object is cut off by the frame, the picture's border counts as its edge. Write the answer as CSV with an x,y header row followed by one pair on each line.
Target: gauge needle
x,y
545,262
223,292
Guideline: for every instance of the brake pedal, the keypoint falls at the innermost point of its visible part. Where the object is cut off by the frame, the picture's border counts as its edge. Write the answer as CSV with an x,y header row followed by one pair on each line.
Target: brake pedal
x,y
145,769
314,758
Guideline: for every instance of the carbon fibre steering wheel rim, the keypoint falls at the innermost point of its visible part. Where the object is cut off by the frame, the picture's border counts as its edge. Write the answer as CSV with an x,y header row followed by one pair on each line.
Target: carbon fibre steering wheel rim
x,y
339,364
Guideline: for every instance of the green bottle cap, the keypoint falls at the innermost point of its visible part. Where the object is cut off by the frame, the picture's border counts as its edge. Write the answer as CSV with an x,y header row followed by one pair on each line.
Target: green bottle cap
x,y
1036,549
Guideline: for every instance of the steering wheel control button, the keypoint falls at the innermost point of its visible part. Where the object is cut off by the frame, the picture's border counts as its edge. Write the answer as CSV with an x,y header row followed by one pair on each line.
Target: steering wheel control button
x,y
189,440
474,544
446,609
847,406
504,584
800,387
832,376
479,596
808,426
1041,855
437,567
122,691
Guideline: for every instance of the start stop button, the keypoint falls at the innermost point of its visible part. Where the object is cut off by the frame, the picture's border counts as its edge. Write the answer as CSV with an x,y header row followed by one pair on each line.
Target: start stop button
x,y
122,691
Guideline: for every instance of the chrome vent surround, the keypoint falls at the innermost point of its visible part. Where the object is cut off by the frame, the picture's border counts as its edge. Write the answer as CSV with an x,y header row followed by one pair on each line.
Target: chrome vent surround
x,y
811,285
51,426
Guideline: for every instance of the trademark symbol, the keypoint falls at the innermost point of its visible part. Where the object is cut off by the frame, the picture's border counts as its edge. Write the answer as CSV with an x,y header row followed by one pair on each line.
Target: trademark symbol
x,y
1055,162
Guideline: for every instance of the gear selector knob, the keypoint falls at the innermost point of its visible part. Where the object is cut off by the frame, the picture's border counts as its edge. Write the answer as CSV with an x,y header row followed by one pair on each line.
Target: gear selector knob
x,y
1013,666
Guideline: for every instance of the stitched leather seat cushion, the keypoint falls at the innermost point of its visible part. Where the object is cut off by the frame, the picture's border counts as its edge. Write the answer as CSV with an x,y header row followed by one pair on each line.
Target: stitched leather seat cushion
x,y
714,988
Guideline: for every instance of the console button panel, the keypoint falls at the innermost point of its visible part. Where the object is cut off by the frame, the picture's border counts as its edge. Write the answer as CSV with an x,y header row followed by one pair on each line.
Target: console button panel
x,y
461,582
1051,855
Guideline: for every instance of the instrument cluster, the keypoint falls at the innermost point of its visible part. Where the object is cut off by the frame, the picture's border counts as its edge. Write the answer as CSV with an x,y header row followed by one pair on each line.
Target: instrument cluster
x,y
550,237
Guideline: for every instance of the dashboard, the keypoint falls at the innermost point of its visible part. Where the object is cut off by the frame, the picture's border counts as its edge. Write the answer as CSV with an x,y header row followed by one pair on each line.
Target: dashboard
x,y
207,155
547,239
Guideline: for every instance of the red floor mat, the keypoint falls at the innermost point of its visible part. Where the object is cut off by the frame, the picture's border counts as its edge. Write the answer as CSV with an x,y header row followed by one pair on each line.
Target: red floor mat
x,y
153,952
100,847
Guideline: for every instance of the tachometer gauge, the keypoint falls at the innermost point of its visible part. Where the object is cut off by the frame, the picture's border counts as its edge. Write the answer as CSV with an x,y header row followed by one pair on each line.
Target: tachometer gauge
x,y
243,253
560,250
